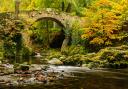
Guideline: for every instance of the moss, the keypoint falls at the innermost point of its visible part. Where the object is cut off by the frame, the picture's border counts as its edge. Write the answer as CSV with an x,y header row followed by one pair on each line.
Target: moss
x,y
113,57
1,50
54,54
1,55
26,52
74,60
74,49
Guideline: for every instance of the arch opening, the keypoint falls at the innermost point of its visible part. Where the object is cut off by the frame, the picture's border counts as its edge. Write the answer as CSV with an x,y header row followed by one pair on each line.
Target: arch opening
x,y
53,35
52,19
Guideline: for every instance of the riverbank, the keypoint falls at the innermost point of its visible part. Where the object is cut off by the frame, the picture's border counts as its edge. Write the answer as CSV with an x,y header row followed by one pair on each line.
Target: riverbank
x,y
47,68
65,77
35,74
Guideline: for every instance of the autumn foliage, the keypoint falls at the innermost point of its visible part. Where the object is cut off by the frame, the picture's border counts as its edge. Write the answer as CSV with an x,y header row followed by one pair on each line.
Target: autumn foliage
x,y
104,21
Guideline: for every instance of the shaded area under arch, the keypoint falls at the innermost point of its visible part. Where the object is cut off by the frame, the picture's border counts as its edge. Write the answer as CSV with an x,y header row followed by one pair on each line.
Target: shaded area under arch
x,y
57,37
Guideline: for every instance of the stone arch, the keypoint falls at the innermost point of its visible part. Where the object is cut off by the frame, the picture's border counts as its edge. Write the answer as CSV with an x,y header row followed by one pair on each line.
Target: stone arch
x,y
52,19
59,37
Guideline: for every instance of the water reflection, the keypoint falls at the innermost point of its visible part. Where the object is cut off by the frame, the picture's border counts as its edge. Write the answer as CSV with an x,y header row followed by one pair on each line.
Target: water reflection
x,y
81,78
87,80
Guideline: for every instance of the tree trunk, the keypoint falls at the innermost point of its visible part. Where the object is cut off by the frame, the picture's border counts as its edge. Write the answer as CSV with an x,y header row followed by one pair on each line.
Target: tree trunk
x,y
17,3
18,40
63,6
69,7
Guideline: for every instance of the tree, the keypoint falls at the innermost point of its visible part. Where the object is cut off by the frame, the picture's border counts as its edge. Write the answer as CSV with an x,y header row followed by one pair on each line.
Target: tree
x,y
104,22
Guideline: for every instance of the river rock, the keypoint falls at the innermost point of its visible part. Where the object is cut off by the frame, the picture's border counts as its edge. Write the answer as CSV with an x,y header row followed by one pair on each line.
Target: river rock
x,y
44,61
7,69
24,67
35,67
40,78
30,81
38,55
91,65
62,58
15,83
55,61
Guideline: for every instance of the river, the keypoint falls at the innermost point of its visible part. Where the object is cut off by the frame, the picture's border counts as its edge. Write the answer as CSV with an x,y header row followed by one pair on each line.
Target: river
x,y
83,78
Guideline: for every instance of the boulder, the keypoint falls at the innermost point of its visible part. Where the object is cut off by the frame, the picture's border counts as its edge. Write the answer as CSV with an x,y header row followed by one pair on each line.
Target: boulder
x,y
55,61
62,58
109,57
36,67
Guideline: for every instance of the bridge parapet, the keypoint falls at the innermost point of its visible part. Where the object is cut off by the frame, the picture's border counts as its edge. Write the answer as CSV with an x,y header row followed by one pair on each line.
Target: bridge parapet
x,y
47,15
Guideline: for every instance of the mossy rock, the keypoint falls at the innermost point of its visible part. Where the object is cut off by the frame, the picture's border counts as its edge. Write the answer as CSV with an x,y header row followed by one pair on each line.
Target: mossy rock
x,y
91,65
73,60
62,58
55,61
112,57
54,54
24,67
73,50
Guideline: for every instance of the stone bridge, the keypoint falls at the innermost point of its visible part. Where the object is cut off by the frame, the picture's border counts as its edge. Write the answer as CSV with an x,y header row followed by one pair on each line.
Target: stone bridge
x,y
64,20
61,18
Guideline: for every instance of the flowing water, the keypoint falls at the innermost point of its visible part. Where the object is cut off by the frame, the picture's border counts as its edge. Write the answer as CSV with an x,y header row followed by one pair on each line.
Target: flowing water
x,y
83,78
